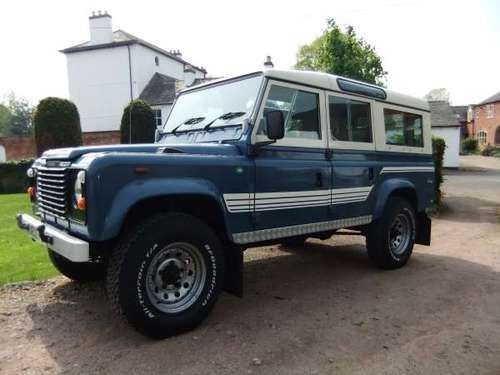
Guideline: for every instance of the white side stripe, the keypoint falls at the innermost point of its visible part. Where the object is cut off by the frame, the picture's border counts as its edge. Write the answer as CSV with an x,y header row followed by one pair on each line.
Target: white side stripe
x,y
406,169
248,202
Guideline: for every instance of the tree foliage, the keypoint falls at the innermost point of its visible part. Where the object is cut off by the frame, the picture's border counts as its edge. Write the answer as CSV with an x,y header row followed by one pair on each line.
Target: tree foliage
x,y
143,123
342,53
57,124
15,117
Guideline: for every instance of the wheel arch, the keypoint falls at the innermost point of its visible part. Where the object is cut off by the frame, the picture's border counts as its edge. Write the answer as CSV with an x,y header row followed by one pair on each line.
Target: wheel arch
x,y
395,187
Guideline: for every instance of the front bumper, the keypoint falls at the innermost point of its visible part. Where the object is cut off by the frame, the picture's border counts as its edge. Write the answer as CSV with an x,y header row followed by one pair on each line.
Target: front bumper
x,y
72,248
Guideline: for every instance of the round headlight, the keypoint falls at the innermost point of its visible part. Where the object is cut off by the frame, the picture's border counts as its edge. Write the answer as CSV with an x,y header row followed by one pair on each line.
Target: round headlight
x,y
79,182
31,172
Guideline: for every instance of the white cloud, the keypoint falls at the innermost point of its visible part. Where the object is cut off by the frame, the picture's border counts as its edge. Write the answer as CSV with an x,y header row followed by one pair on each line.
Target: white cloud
x,y
423,44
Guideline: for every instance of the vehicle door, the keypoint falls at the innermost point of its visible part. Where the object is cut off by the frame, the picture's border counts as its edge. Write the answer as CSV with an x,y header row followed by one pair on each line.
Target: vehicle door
x,y
353,160
293,176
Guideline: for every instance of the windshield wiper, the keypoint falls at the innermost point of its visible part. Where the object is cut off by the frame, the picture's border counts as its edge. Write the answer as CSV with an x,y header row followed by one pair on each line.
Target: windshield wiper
x,y
189,121
225,116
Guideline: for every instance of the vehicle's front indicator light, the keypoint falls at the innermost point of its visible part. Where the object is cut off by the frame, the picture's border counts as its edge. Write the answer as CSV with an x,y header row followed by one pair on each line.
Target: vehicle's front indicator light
x,y
81,203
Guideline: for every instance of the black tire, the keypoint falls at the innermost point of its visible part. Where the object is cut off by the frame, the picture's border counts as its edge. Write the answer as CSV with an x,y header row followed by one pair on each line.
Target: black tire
x,y
294,241
135,268
79,272
384,248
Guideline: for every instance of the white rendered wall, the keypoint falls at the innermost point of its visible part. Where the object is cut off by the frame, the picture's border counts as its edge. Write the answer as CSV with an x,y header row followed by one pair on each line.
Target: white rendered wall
x,y
3,156
451,136
99,86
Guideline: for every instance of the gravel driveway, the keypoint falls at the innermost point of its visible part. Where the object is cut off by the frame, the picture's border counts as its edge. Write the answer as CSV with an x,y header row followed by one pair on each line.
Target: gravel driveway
x,y
321,309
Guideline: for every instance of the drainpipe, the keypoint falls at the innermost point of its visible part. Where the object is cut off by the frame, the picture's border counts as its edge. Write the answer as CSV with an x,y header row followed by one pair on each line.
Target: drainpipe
x,y
131,96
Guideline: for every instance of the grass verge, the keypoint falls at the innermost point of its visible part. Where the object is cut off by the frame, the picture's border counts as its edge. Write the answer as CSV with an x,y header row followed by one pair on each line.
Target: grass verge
x,y
21,259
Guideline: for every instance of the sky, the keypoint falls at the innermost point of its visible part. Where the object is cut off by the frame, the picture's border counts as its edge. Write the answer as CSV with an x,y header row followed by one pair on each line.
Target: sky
x,y
424,44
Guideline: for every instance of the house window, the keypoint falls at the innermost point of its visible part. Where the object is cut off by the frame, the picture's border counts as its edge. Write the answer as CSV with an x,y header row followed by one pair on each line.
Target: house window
x,y
403,129
157,61
158,121
482,136
490,109
477,113
350,120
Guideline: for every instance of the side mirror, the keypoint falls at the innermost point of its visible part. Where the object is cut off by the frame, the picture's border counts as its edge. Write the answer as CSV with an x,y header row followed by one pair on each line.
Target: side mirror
x,y
157,135
275,125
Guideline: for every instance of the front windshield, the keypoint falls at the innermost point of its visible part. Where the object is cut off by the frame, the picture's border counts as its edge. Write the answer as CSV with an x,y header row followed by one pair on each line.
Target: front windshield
x,y
219,105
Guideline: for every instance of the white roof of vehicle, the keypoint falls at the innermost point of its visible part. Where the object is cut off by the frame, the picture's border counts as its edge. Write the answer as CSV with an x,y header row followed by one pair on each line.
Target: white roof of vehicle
x,y
329,82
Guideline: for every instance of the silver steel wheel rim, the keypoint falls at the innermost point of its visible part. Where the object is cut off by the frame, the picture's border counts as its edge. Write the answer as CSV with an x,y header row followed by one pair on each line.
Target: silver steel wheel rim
x,y
175,277
399,234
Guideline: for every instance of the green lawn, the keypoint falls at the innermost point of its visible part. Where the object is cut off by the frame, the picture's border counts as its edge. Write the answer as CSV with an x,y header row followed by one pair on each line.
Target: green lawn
x,y
20,258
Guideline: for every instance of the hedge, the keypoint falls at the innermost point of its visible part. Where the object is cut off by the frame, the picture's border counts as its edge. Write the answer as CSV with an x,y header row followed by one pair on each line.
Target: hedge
x,y
57,124
13,176
470,146
143,123
438,147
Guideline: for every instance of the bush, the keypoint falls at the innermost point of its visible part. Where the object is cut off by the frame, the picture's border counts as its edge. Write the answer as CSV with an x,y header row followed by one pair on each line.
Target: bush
x,y
488,150
438,147
57,124
143,123
470,146
13,177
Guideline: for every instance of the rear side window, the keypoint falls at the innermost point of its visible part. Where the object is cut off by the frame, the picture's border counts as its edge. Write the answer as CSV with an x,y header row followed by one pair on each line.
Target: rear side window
x,y
300,110
350,120
403,129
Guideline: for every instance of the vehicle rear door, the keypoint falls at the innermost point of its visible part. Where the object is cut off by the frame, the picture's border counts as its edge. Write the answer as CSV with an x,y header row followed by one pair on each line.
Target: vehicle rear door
x,y
354,171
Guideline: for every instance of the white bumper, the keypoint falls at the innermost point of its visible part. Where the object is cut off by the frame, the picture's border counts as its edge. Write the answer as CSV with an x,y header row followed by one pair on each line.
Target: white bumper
x,y
72,248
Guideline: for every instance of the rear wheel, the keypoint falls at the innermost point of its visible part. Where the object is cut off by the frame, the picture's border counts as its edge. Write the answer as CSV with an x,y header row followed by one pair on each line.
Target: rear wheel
x,y
165,276
79,272
390,239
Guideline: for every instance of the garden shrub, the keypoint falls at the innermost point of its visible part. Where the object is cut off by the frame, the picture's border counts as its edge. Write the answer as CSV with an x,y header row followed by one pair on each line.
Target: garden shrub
x,y
143,123
470,146
13,177
438,147
57,124
488,150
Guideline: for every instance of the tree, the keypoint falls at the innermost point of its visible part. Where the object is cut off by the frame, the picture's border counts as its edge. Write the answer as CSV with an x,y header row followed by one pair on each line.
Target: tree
x,y
15,117
143,123
342,53
57,124
4,119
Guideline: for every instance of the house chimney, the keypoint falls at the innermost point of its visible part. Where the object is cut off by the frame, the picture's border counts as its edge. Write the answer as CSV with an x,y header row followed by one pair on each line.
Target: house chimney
x,y
189,75
268,64
101,31
176,53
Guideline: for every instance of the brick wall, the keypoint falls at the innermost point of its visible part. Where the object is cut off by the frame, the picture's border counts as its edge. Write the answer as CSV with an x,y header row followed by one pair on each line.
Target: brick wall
x,y
482,122
101,138
18,148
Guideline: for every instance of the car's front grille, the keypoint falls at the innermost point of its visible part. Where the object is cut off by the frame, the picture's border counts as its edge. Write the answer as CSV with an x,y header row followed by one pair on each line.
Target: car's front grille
x,y
51,188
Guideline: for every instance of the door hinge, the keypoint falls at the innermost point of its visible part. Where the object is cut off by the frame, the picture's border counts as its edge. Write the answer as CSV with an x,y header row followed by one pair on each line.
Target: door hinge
x,y
328,154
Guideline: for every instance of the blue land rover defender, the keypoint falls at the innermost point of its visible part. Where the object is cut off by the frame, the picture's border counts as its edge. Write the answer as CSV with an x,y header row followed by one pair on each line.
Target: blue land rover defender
x,y
268,157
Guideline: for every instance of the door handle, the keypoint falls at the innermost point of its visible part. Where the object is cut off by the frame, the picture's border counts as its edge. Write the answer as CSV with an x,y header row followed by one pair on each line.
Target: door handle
x,y
319,179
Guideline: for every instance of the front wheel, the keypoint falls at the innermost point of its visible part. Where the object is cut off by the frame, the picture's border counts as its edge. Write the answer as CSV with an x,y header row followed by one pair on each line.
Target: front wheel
x,y
390,238
165,276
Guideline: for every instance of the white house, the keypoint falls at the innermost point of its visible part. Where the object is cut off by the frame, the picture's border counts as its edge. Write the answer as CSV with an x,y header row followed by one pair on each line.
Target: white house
x,y
114,67
445,124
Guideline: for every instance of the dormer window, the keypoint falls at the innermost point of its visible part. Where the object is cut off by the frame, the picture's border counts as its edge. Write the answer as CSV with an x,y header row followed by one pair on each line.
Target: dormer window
x,y
157,61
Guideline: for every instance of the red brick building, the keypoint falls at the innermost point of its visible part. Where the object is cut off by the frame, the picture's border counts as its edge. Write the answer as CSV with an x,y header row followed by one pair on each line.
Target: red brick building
x,y
484,121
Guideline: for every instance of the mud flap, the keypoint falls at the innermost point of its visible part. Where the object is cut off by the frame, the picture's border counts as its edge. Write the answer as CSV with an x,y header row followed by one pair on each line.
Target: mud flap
x,y
233,275
424,225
